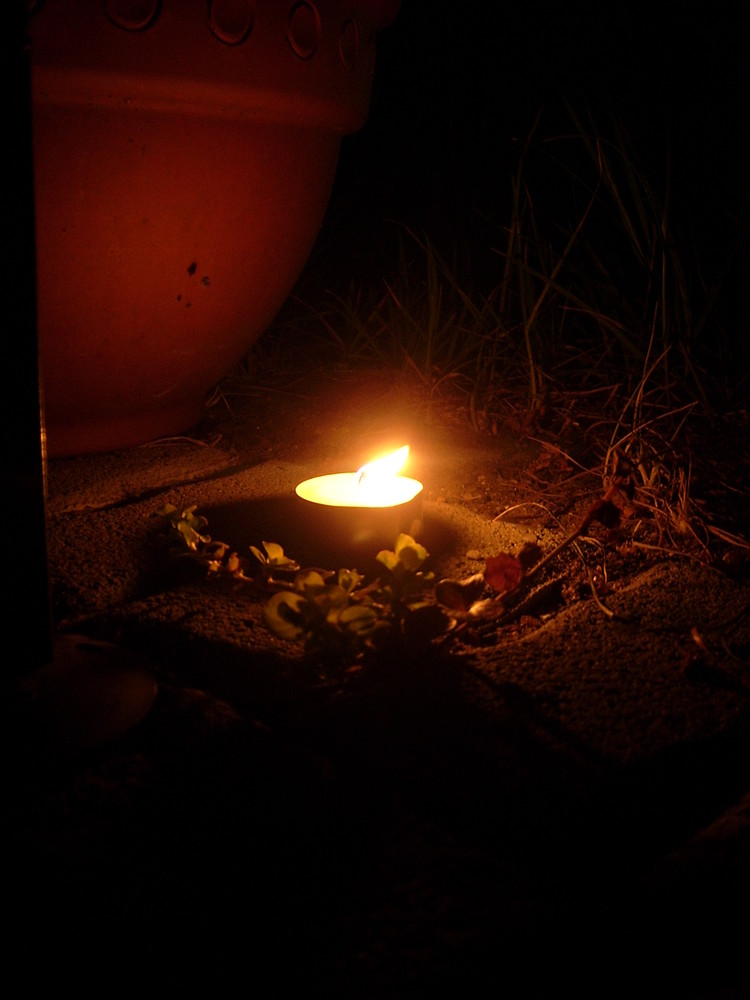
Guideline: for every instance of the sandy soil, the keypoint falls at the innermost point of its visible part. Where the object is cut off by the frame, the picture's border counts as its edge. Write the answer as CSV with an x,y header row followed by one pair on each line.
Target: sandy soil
x,y
526,805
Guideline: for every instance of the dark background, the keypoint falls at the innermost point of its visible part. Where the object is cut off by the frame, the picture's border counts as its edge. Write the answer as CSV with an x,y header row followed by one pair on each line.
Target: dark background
x,y
458,88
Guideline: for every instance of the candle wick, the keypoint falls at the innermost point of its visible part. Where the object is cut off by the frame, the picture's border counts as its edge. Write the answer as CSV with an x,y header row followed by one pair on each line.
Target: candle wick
x,y
361,477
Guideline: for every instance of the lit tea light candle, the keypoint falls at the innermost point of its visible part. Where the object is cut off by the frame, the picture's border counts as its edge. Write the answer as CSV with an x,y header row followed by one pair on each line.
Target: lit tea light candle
x,y
369,507
376,484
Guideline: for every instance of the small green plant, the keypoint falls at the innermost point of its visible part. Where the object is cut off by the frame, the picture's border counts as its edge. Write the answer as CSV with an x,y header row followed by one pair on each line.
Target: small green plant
x,y
406,590
273,560
332,614
187,532
341,615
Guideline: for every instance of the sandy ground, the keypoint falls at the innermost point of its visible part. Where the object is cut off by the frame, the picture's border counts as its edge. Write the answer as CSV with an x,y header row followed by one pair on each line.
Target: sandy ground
x,y
517,812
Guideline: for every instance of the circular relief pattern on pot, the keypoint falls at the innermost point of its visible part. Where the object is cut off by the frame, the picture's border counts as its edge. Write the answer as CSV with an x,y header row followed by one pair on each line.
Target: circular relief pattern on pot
x,y
349,44
231,20
132,15
303,32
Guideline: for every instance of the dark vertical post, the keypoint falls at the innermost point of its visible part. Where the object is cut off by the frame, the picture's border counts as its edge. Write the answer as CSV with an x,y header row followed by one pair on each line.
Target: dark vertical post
x,y
25,583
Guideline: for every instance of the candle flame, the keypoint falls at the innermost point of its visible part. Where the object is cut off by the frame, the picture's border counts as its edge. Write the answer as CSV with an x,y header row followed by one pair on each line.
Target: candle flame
x,y
385,467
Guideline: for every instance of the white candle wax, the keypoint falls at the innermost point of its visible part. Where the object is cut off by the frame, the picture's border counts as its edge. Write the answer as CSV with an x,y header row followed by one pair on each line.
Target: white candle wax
x,y
352,489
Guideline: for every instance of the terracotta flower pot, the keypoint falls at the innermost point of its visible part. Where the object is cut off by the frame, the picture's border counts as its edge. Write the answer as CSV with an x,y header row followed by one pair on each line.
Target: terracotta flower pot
x,y
184,153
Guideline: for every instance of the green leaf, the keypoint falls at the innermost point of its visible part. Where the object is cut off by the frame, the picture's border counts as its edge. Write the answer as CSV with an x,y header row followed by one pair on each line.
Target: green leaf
x,y
389,559
283,614
332,600
191,537
274,552
349,580
274,557
410,552
359,619
196,521
309,582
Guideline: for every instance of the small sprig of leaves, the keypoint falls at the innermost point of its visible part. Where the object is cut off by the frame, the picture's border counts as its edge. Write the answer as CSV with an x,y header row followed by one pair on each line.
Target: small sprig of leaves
x,y
340,615
331,613
330,616
406,590
273,560
187,531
